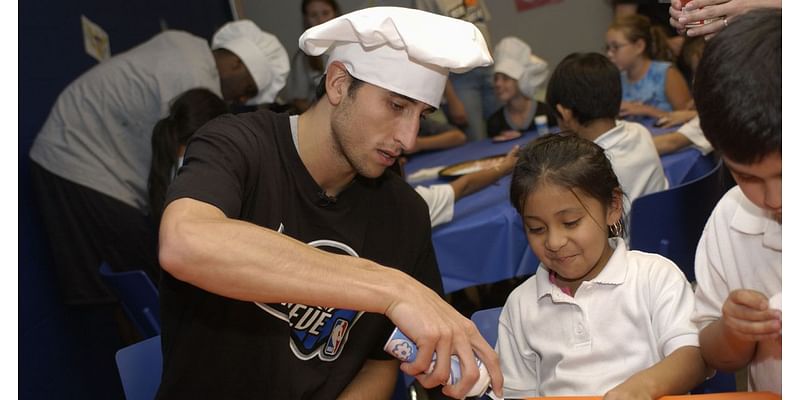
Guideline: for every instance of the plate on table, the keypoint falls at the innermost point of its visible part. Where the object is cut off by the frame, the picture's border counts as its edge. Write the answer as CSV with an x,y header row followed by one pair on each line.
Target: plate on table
x,y
506,136
468,167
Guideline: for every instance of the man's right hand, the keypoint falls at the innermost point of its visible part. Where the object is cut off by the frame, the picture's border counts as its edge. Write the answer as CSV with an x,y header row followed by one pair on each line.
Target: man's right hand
x,y
435,326
747,316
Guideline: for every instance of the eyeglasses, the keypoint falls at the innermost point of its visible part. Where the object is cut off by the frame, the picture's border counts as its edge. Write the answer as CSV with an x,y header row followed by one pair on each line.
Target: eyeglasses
x,y
614,47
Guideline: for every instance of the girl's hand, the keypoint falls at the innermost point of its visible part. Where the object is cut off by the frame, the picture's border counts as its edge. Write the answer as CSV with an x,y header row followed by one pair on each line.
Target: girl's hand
x,y
675,118
628,108
628,390
746,315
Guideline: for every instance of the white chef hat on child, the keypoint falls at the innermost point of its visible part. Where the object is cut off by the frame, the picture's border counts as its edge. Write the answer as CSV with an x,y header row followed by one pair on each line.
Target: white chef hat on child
x,y
515,59
403,50
262,54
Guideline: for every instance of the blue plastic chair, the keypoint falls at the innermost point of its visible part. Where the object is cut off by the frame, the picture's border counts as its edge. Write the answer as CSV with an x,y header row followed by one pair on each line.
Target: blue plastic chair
x,y
487,321
671,222
138,296
139,368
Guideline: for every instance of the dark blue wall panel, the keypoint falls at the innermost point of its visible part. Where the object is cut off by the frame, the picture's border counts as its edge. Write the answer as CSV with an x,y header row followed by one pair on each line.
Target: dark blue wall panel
x,y
67,352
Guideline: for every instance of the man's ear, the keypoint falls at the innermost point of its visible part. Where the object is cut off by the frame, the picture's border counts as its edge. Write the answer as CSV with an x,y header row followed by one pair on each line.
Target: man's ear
x,y
337,80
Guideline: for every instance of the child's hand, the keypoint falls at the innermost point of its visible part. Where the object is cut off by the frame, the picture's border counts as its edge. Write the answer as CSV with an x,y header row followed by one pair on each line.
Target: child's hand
x,y
631,108
509,161
746,315
676,118
628,390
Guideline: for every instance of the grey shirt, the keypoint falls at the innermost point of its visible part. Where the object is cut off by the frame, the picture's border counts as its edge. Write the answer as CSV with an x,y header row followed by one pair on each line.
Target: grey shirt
x,y
98,132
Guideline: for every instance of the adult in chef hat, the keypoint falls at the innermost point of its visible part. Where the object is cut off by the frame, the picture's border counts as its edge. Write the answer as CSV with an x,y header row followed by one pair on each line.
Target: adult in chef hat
x,y
403,50
322,175
518,75
264,58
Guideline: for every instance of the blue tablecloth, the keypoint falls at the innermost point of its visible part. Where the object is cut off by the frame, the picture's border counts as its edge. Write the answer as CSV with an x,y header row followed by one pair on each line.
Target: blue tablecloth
x,y
485,242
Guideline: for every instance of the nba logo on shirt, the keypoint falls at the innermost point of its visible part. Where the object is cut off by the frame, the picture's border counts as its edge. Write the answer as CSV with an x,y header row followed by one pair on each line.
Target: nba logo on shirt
x,y
336,337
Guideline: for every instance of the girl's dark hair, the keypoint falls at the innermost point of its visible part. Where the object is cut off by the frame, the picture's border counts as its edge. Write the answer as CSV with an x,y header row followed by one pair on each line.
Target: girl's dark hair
x,y
636,27
567,161
187,114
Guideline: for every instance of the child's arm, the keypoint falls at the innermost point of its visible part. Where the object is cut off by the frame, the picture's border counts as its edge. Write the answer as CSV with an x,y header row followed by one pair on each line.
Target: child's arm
x,y
678,373
677,90
671,142
730,342
475,181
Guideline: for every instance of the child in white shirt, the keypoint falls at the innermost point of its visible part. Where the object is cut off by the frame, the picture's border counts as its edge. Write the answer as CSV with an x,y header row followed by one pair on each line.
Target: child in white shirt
x,y
585,92
739,257
597,318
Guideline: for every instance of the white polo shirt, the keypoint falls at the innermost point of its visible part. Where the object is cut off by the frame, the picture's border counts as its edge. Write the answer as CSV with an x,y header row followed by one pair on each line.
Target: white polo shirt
x,y
631,316
741,249
440,200
635,160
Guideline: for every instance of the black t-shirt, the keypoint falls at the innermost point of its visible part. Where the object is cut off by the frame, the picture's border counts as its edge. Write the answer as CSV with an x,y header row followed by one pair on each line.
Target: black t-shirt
x,y
497,123
216,347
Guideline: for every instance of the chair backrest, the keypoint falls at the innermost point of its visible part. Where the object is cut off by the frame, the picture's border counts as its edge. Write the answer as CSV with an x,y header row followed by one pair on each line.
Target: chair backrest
x,y
487,321
138,296
671,222
139,368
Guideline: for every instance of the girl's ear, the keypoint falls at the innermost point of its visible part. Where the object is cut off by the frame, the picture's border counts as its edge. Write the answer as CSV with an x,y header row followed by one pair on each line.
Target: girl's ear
x,y
640,46
614,212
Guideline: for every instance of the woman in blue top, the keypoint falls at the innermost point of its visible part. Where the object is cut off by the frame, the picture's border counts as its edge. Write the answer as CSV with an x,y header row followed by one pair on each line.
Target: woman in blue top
x,y
651,88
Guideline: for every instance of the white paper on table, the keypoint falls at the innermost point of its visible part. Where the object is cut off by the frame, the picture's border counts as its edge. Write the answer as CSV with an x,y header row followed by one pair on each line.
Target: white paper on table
x,y
424,174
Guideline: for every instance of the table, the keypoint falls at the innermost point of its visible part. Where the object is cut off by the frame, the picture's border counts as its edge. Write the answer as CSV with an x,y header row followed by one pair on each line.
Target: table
x,y
485,242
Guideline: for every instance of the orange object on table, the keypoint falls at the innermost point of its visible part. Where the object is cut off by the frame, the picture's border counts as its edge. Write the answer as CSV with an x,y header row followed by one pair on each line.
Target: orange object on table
x,y
712,396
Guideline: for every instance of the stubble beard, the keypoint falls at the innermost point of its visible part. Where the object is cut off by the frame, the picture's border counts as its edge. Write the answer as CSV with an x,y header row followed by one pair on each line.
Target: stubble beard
x,y
343,143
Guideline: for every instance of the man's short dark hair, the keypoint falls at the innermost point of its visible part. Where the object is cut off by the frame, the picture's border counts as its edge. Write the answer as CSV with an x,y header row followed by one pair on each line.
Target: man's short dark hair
x,y
737,89
588,84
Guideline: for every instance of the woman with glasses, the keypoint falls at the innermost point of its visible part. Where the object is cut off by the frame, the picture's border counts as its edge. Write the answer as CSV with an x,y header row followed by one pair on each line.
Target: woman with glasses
x,y
651,85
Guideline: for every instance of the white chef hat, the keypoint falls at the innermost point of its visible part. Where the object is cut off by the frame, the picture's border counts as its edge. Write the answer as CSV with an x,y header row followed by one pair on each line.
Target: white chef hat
x,y
515,59
403,50
262,54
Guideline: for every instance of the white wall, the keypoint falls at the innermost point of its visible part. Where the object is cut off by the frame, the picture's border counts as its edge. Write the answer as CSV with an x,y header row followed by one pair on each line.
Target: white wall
x,y
552,31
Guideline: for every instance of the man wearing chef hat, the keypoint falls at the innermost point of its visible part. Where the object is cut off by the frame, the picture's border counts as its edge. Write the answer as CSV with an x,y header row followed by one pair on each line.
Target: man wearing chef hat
x,y
276,227
92,156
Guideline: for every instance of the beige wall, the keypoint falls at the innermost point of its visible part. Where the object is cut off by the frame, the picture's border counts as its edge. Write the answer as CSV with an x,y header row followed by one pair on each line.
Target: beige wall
x,y
552,31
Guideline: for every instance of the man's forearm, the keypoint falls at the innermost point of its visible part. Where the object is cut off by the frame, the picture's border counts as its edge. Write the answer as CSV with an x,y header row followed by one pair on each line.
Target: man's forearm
x,y
243,261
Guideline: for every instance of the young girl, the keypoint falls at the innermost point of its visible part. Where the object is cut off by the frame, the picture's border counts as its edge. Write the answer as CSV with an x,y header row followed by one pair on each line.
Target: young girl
x,y
651,85
306,71
517,75
187,114
597,318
